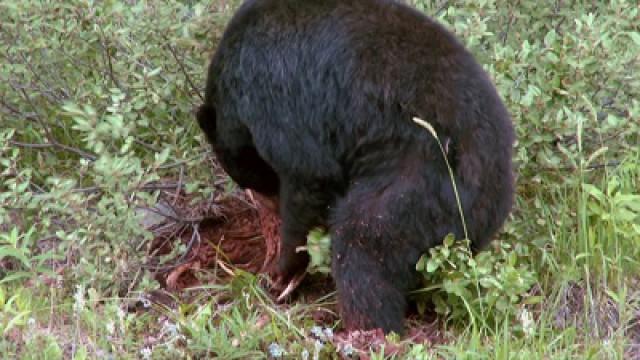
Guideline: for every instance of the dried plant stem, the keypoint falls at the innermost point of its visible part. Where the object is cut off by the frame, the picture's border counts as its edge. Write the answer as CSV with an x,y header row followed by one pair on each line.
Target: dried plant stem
x,y
433,132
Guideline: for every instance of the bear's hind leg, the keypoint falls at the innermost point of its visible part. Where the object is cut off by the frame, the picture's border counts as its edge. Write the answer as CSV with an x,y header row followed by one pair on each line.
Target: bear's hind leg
x,y
373,258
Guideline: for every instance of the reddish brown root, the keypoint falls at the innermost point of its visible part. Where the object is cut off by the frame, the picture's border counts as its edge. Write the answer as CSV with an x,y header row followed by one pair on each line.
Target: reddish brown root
x,y
243,233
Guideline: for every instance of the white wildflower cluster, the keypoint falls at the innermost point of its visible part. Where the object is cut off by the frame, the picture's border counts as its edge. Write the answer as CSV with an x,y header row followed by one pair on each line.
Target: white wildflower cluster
x,y
111,327
321,336
146,303
171,332
526,320
276,351
79,300
171,329
324,334
146,353
121,318
347,350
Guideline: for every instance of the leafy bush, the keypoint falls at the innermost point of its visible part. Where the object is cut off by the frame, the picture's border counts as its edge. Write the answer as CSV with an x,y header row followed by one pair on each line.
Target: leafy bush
x,y
318,247
484,287
96,107
96,102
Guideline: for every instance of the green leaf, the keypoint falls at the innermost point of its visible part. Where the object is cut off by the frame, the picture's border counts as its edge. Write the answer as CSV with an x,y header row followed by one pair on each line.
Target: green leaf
x,y
420,265
16,254
17,319
550,38
154,72
18,275
449,240
433,265
532,300
635,36
595,192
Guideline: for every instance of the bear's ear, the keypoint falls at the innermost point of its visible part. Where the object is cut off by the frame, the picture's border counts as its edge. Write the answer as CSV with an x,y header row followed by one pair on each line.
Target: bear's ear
x,y
206,116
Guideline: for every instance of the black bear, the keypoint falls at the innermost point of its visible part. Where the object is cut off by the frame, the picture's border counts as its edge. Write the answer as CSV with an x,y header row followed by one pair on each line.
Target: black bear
x,y
312,101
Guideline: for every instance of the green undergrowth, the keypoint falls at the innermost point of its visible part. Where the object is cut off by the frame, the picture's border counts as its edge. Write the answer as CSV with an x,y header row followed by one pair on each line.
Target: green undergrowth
x,y
96,125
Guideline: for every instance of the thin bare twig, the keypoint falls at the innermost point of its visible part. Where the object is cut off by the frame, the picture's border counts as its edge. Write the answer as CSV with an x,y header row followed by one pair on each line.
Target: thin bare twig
x,y
613,163
146,146
179,187
104,46
195,239
57,145
174,217
505,34
36,75
147,187
30,146
52,140
194,88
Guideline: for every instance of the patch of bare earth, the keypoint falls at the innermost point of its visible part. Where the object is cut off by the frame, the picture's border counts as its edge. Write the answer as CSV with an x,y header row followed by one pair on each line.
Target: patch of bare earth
x,y
420,330
241,231
232,232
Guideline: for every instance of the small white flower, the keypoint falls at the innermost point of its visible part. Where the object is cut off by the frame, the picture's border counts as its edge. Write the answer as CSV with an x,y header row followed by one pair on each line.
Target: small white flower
x,y
325,334
526,319
146,303
79,301
317,332
111,327
170,328
146,353
121,314
317,347
275,350
347,350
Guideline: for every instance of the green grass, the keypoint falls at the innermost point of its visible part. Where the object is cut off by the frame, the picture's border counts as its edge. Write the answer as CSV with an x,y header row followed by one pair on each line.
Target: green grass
x,y
96,122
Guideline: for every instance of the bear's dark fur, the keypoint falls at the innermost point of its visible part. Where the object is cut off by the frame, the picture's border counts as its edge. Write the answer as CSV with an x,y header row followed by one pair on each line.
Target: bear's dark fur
x,y
312,101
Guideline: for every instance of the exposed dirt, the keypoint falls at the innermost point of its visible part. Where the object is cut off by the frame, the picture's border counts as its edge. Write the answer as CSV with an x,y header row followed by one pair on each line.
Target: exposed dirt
x,y
426,330
242,232
239,231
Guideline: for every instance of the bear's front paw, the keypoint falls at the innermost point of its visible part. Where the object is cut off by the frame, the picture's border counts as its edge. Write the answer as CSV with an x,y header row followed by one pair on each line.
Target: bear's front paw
x,y
289,273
